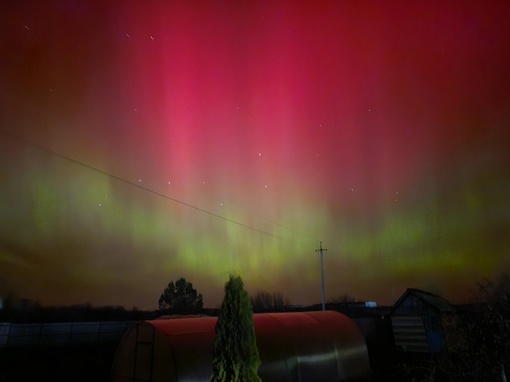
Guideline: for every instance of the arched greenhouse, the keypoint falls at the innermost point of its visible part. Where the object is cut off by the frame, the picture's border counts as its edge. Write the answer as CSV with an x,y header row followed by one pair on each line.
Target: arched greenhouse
x,y
302,346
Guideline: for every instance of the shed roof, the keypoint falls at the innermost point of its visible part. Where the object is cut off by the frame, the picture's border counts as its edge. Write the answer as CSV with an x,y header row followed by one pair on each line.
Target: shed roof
x,y
433,300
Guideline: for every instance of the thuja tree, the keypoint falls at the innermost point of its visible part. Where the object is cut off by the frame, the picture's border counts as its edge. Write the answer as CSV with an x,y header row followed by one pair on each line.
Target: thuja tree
x,y
236,357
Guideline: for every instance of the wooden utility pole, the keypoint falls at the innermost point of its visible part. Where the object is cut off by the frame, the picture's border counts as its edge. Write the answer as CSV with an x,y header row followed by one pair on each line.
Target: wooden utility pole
x,y
322,275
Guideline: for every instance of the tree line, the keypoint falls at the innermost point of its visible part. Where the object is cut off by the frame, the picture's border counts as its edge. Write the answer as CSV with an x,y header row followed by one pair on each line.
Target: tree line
x,y
180,297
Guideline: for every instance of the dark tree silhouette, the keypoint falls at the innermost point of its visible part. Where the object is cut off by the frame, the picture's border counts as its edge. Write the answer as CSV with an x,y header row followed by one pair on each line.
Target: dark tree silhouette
x,y
264,301
236,357
342,298
180,298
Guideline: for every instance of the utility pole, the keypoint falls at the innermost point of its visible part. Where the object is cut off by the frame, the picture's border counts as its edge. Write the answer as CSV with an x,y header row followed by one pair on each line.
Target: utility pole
x,y
322,275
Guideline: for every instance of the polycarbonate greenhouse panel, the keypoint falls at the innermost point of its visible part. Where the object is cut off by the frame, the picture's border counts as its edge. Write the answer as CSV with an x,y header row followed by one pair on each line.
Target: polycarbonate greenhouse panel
x,y
302,346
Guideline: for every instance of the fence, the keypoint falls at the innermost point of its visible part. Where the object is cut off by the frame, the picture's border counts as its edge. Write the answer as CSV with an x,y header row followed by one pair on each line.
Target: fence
x,y
65,333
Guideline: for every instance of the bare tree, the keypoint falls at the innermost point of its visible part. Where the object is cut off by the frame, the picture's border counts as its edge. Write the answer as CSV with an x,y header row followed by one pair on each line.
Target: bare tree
x,y
342,298
477,338
264,301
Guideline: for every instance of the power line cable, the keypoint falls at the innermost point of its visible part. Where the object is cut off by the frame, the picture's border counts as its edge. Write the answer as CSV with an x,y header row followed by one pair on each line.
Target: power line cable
x,y
120,179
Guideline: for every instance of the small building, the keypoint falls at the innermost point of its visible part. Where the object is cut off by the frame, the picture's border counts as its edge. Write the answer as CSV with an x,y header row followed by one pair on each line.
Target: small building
x,y
418,320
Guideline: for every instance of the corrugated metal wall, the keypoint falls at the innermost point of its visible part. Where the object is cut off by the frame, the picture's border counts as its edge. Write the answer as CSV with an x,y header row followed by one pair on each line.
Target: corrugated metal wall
x,y
65,333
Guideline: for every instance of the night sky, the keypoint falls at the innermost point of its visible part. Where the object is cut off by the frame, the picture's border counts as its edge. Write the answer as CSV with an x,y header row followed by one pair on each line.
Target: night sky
x,y
142,141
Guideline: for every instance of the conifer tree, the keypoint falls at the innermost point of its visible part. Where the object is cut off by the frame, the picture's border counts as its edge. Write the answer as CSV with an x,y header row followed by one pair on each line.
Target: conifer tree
x,y
236,357
180,298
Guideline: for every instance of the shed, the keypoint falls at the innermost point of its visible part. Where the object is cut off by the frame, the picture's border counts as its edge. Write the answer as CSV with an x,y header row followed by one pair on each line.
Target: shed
x,y
297,346
418,319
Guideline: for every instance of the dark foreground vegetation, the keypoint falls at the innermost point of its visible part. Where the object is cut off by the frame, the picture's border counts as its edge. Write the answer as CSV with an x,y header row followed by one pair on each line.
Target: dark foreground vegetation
x,y
83,363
